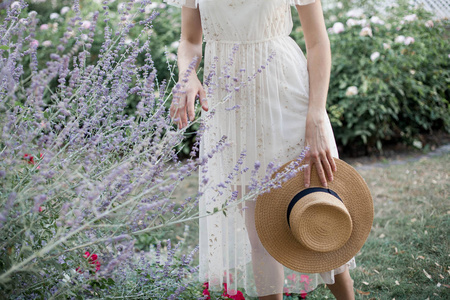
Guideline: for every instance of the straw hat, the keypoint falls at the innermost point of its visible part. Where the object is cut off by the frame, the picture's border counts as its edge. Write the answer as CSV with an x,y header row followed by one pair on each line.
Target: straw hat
x,y
315,229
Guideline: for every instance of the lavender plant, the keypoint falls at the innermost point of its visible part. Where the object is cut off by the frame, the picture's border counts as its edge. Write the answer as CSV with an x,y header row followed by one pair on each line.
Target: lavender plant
x,y
81,178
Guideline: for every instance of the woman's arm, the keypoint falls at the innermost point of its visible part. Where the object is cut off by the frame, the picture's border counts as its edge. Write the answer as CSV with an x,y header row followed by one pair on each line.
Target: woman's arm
x,y
183,104
319,68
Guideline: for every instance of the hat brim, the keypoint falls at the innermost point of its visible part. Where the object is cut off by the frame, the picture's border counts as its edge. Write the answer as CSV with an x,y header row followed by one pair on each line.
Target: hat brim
x,y
276,237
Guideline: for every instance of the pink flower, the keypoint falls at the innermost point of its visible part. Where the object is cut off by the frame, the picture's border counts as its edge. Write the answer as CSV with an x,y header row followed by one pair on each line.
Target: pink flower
x,y
44,27
86,24
409,40
305,278
410,18
286,291
338,27
230,276
92,260
292,277
429,23
34,43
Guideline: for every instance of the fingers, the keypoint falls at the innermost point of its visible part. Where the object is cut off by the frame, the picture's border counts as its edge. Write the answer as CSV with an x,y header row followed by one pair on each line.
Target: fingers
x,y
324,164
332,162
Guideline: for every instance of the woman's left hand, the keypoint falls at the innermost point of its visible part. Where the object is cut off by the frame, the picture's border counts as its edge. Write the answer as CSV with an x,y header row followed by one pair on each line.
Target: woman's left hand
x,y
319,153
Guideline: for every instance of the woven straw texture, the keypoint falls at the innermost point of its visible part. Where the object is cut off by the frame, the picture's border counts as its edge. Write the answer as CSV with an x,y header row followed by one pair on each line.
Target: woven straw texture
x,y
276,236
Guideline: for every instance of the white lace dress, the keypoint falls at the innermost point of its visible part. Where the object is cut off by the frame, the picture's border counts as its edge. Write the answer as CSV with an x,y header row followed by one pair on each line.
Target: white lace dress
x,y
265,115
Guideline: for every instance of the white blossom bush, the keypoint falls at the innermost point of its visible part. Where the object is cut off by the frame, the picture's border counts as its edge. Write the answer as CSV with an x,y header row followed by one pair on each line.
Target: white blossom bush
x,y
389,75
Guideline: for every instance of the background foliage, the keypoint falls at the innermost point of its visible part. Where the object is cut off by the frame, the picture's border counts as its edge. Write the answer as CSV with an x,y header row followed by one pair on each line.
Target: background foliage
x,y
403,95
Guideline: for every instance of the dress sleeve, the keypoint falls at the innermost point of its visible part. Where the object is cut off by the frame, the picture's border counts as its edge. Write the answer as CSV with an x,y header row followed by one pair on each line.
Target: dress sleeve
x,y
300,2
188,3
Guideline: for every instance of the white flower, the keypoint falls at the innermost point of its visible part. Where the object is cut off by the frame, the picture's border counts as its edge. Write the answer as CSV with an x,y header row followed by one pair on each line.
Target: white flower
x,y
449,56
86,24
409,40
363,22
84,37
128,41
338,27
54,16
412,71
172,56
351,22
351,91
366,31
15,5
400,39
46,43
332,18
376,20
386,46
32,14
163,5
339,5
355,13
388,26
410,18
65,10
175,44
374,56
429,24
23,21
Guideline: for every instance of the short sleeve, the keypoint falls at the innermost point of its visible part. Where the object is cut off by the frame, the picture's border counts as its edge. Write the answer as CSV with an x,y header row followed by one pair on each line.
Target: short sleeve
x,y
187,3
300,2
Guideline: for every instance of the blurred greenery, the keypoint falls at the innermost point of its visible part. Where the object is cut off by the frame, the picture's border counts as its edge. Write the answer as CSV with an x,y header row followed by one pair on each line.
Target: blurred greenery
x,y
402,96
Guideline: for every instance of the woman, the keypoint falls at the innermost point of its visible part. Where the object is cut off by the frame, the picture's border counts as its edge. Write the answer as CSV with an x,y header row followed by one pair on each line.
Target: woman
x,y
275,107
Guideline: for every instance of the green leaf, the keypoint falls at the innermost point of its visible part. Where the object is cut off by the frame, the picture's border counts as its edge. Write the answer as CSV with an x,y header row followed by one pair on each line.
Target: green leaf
x,y
3,47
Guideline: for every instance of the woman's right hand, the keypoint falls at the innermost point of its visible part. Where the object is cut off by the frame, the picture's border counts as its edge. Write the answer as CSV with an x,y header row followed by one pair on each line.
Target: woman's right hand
x,y
182,108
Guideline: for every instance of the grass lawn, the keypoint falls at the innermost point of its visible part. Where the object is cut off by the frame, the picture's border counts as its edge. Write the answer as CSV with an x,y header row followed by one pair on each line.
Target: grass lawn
x,y
407,253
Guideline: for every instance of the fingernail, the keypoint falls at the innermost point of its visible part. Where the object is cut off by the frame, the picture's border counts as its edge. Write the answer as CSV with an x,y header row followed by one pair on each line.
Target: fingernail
x,y
325,184
307,185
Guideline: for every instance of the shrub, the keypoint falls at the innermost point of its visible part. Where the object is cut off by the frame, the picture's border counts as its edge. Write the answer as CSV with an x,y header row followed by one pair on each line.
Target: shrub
x,y
390,75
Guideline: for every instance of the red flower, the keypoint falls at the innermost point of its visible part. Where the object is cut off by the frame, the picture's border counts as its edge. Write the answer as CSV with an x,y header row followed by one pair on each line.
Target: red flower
x,y
303,294
286,291
206,293
238,294
29,158
92,260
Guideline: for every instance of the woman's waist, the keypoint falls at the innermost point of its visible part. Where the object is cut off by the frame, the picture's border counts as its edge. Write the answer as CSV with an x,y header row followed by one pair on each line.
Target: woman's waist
x,y
246,40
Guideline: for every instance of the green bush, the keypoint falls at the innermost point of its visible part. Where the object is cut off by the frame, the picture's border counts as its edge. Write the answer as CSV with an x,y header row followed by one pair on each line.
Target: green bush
x,y
402,92
401,96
